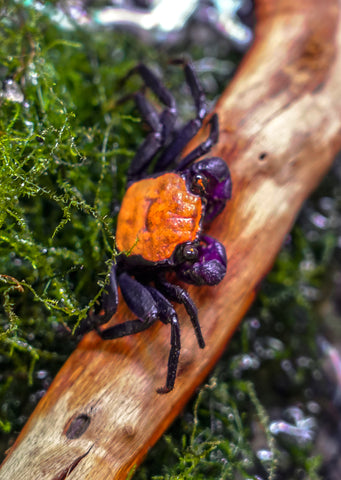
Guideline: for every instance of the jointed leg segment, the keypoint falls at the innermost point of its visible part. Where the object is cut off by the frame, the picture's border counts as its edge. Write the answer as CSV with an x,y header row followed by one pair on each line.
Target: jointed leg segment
x,y
164,311
177,294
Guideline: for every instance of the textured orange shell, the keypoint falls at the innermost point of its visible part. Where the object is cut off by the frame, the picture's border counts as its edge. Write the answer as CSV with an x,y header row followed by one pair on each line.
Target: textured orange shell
x,y
156,215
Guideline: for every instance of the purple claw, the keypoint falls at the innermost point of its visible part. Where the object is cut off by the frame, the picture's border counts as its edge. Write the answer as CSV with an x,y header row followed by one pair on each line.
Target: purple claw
x,y
210,267
218,186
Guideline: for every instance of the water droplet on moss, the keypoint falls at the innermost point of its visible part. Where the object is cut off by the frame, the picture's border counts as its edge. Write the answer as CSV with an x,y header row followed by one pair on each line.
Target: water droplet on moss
x,y
265,455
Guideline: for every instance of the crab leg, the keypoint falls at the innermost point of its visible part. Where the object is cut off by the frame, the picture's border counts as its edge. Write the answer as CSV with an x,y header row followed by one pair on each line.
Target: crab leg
x,y
179,295
186,133
154,83
151,144
138,298
195,87
124,329
204,147
161,125
167,315
141,303
168,115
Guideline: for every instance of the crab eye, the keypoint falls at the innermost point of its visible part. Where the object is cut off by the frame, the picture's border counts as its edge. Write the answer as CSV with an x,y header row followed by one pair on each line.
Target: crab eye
x,y
186,252
199,184
190,253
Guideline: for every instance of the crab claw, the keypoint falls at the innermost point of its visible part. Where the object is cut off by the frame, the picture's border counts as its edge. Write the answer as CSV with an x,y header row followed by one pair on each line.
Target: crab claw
x,y
210,266
218,186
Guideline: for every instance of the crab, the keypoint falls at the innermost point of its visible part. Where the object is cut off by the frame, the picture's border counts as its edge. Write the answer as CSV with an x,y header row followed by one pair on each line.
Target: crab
x,y
167,204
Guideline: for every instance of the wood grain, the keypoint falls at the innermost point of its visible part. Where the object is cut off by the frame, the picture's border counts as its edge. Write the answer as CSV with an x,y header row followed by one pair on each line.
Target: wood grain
x,y
280,129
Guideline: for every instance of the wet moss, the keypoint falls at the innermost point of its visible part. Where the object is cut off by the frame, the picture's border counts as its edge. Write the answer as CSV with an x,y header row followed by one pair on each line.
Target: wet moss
x,y
63,157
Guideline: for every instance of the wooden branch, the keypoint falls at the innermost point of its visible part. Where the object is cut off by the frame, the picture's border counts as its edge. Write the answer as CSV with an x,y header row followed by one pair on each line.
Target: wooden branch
x,y
280,129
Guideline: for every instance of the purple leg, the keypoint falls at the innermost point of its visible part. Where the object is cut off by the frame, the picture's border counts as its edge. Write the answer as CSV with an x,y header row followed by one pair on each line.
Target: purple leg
x,y
168,115
123,329
153,142
186,133
195,87
141,303
150,305
204,147
167,315
138,298
179,295
210,268
161,125
154,83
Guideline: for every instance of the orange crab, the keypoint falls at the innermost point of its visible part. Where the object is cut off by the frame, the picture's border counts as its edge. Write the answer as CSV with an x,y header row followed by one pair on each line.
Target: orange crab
x,y
161,223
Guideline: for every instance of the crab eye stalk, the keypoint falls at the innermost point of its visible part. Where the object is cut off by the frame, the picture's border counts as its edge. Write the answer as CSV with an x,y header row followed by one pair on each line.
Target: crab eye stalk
x,y
186,252
190,253
199,184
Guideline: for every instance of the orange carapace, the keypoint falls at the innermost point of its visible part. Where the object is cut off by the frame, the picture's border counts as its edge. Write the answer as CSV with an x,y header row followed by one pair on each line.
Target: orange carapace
x,y
157,215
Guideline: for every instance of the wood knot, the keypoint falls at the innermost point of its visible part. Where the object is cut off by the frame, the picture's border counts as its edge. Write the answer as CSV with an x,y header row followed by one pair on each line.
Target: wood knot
x,y
314,56
76,426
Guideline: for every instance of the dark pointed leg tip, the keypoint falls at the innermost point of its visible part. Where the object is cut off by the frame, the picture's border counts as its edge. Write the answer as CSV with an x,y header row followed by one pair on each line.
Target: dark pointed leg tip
x,y
163,390
214,121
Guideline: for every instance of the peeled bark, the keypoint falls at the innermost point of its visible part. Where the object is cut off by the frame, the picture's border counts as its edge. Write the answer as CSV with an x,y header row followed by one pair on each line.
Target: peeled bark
x,y
280,127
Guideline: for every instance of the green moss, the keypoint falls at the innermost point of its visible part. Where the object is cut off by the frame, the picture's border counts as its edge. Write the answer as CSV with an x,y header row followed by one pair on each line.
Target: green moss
x,y
61,140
